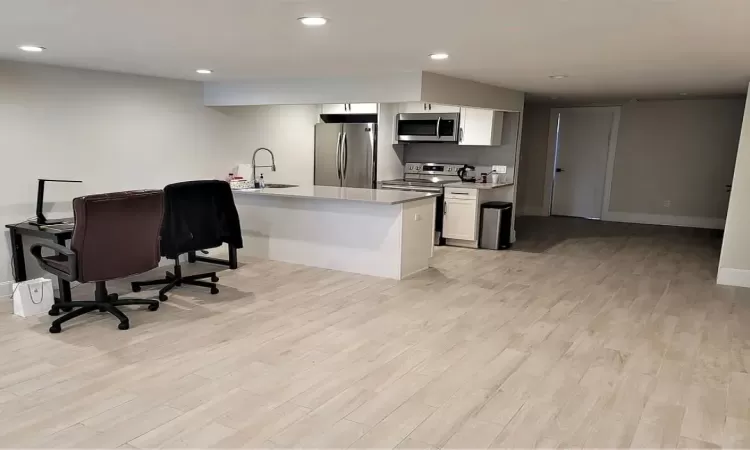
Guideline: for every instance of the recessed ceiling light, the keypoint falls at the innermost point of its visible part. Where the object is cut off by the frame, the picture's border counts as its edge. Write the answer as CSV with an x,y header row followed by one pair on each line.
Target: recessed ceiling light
x,y
439,56
31,48
558,77
313,21
204,71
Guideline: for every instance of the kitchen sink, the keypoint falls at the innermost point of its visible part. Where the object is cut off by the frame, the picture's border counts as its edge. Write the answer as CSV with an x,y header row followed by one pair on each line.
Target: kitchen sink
x,y
280,185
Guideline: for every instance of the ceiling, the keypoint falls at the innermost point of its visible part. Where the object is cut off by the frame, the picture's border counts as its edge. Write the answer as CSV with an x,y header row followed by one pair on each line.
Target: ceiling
x,y
605,47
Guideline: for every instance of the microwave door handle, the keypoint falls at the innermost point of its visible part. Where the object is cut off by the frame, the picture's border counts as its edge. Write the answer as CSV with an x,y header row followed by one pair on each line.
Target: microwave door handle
x,y
437,128
338,157
344,155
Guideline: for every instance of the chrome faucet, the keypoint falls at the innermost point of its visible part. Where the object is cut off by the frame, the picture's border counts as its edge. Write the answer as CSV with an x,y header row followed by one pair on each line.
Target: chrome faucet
x,y
273,160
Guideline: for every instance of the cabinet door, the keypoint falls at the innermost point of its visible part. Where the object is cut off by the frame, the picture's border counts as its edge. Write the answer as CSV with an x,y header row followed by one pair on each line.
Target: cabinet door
x,y
413,107
476,126
459,220
437,108
335,108
363,108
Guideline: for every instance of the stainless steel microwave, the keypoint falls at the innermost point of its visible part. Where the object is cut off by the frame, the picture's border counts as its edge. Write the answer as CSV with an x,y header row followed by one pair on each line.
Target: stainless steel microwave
x,y
427,127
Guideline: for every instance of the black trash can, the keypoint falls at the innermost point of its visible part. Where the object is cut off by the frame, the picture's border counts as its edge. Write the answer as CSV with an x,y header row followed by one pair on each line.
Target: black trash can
x,y
494,232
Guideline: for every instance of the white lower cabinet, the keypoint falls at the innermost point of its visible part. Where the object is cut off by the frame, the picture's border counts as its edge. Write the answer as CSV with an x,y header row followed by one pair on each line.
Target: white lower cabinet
x,y
462,211
460,219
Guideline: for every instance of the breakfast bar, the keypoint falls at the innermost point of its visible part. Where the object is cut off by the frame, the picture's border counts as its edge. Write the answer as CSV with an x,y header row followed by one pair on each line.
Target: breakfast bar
x,y
367,231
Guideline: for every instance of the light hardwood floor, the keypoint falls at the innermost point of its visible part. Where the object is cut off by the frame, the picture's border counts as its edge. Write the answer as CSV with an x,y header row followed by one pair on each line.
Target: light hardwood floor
x,y
585,335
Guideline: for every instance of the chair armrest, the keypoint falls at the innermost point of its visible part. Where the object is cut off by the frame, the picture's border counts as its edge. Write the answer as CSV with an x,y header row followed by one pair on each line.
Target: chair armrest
x,y
66,267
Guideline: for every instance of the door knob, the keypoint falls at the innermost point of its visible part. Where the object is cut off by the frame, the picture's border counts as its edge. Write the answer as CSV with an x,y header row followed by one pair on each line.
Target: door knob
x,y
559,170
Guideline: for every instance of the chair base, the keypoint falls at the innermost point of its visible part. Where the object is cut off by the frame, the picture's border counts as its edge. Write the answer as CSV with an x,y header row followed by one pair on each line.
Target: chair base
x,y
175,279
103,302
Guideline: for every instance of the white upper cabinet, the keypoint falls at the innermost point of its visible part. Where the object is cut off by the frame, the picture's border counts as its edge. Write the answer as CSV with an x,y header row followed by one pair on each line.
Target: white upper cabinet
x,y
349,108
420,107
480,127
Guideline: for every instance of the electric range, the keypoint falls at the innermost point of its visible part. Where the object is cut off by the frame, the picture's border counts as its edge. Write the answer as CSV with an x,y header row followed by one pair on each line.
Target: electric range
x,y
428,177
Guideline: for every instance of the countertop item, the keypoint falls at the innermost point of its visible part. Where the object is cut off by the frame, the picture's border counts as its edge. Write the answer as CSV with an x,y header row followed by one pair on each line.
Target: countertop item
x,y
479,185
379,196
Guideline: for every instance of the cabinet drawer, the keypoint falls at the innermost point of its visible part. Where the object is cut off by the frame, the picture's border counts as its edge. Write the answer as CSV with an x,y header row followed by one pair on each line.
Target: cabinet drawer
x,y
460,193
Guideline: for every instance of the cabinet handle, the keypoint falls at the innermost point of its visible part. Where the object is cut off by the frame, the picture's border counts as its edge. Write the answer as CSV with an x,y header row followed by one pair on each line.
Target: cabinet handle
x,y
424,106
460,193
429,106
460,134
445,207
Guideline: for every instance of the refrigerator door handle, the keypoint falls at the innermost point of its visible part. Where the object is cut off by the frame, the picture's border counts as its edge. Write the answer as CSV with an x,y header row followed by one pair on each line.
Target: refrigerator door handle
x,y
338,157
345,155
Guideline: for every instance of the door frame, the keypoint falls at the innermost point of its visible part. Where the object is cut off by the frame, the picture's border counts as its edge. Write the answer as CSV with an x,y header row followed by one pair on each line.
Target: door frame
x,y
549,176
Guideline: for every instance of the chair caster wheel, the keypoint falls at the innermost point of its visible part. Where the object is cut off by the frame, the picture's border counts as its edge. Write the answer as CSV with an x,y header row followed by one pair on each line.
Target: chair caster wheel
x,y
136,288
153,307
113,297
214,278
163,297
102,309
124,325
67,309
54,312
55,329
214,290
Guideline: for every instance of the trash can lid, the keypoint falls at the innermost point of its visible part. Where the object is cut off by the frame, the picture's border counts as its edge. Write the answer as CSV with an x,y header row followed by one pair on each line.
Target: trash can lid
x,y
497,205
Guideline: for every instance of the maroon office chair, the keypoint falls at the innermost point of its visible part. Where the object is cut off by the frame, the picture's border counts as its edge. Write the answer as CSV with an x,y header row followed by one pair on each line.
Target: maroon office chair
x,y
116,235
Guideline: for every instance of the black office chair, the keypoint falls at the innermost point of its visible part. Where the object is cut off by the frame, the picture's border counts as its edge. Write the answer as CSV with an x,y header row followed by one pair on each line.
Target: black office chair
x,y
116,235
198,215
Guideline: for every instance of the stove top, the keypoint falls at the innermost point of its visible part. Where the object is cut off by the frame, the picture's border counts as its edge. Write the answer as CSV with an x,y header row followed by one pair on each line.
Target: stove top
x,y
427,174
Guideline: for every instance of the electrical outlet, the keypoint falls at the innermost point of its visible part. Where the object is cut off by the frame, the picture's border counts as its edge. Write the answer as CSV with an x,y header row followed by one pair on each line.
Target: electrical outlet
x,y
667,203
417,217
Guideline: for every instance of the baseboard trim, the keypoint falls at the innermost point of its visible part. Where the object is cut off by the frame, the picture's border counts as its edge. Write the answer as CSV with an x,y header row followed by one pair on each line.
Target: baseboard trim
x,y
532,211
6,288
733,277
713,223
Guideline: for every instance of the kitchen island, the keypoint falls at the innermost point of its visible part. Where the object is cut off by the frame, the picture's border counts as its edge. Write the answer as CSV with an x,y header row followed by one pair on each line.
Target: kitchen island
x,y
376,232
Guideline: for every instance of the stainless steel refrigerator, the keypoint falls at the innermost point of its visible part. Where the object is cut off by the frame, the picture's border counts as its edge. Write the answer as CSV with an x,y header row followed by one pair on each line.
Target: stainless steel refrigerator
x,y
345,154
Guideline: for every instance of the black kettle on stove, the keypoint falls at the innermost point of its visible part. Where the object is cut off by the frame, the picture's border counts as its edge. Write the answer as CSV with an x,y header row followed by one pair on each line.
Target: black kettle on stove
x,y
467,173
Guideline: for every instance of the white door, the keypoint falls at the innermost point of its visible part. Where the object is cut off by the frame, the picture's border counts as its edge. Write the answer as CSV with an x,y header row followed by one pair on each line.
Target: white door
x,y
582,143
459,221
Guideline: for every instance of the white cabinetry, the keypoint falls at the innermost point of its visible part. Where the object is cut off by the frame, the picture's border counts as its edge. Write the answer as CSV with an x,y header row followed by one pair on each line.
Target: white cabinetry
x,y
480,127
460,214
420,107
349,108
460,219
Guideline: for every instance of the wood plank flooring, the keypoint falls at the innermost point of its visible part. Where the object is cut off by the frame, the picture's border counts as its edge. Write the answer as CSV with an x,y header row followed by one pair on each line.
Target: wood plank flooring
x,y
587,334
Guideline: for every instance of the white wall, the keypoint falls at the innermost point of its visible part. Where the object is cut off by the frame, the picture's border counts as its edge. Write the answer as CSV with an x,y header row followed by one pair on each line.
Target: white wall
x,y
680,151
112,131
533,159
287,130
390,160
377,88
734,264
457,91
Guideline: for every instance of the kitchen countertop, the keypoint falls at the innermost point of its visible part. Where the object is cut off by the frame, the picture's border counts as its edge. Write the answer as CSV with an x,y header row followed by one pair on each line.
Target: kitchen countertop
x,y
479,185
376,196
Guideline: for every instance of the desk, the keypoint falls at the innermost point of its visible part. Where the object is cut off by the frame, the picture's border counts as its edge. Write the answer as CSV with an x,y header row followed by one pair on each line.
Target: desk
x,y
58,233
62,233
